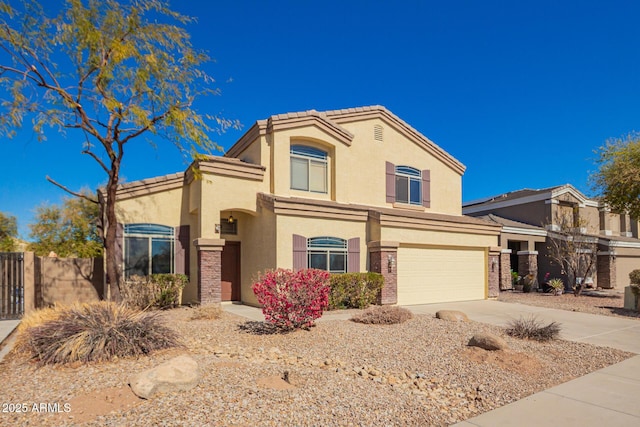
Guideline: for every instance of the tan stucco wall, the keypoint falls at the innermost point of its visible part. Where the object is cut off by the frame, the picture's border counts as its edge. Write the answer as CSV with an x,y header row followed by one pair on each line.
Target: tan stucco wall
x,y
257,248
357,172
440,238
166,207
591,217
225,193
287,226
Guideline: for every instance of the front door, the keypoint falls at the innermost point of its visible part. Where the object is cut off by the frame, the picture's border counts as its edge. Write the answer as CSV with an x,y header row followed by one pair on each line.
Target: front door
x,y
230,282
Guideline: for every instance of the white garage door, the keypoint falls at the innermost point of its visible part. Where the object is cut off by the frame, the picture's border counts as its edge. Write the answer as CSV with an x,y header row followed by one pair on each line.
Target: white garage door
x,y
430,275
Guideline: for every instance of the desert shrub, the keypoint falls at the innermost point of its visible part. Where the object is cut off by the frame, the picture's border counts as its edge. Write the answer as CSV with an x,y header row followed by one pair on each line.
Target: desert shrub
x,y
354,290
383,315
292,299
532,328
156,290
634,277
97,331
557,285
207,312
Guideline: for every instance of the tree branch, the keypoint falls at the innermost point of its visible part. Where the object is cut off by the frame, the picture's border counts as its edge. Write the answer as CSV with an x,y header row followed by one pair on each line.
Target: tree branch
x,y
82,196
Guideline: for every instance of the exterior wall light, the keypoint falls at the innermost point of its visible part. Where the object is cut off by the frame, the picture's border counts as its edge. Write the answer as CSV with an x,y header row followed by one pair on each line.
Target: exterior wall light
x,y
391,262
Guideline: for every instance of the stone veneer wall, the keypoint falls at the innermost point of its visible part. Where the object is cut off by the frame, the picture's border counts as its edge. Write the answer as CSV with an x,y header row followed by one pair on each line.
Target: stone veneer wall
x,y
606,270
505,270
494,272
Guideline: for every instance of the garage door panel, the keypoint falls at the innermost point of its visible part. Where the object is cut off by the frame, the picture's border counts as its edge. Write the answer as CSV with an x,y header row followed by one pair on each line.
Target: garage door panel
x,y
432,275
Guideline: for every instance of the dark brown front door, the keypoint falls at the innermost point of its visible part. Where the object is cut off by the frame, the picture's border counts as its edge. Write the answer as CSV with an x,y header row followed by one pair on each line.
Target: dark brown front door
x,y
230,282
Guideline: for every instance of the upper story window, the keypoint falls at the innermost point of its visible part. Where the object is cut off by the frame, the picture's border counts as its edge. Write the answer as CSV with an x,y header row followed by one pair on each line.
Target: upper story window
x,y
327,253
308,169
408,185
148,249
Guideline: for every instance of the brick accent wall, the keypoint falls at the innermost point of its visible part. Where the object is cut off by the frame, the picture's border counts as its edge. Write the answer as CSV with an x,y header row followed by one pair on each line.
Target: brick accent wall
x,y
606,270
210,274
494,273
209,270
505,270
379,263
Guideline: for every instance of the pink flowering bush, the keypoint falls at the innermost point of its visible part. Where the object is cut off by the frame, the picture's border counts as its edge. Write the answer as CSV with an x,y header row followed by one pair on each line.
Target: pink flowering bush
x,y
292,299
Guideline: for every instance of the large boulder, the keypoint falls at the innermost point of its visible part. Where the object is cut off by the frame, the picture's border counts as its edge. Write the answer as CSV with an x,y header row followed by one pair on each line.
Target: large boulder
x,y
488,341
452,315
178,374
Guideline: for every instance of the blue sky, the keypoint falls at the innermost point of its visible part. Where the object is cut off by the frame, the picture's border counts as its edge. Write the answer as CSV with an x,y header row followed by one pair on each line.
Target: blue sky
x,y
521,93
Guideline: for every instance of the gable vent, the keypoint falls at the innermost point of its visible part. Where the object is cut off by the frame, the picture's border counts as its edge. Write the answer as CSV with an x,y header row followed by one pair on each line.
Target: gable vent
x,y
377,133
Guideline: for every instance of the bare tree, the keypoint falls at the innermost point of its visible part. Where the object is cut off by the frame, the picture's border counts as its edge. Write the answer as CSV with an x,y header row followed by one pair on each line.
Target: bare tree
x,y
574,251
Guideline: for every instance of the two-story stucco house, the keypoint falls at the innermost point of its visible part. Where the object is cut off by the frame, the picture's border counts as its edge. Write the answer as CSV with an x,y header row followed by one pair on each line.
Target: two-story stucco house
x,y
529,216
347,190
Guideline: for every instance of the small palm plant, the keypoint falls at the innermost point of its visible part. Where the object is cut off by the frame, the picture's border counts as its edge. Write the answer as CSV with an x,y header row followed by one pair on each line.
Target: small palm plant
x,y
557,285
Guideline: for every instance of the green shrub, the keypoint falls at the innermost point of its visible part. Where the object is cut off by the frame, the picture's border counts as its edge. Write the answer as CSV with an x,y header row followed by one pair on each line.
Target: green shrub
x,y
383,315
354,290
157,290
531,328
634,277
97,331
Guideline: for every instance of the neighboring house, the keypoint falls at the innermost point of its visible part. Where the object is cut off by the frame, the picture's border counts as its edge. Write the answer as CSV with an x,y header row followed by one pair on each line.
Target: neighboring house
x,y
528,216
350,190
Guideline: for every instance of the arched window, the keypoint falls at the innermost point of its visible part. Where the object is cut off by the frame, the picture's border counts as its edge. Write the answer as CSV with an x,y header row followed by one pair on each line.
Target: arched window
x,y
327,253
408,185
148,249
308,169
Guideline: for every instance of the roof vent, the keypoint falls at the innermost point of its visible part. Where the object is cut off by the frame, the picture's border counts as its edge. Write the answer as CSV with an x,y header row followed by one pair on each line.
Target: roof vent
x,y
377,133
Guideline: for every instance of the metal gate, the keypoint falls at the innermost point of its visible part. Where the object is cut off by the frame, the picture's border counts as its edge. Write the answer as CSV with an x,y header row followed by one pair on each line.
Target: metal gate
x,y
11,285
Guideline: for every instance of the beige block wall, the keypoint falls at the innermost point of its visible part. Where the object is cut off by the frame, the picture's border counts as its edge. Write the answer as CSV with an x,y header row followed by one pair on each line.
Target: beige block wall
x,y
357,172
68,280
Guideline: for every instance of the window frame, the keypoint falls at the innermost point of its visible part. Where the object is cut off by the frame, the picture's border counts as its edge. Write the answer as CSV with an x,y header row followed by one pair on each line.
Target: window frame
x,y
412,176
328,247
153,233
308,156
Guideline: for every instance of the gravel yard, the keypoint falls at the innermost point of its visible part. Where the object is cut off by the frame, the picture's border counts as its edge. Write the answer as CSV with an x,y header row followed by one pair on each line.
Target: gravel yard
x,y
606,303
342,373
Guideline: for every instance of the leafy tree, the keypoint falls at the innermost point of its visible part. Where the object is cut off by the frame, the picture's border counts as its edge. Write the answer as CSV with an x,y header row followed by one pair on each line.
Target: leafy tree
x,y
70,230
618,177
8,232
110,72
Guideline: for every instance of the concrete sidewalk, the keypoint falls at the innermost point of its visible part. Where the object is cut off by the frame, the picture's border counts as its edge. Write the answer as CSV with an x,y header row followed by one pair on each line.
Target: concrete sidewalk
x,y
605,397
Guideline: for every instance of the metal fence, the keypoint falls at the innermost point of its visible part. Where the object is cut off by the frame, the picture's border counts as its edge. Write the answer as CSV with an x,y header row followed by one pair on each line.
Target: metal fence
x,y
11,285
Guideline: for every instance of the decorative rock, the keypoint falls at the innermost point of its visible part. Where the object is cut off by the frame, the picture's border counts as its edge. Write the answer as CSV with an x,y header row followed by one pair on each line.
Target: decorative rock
x,y
488,341
452,315
179,373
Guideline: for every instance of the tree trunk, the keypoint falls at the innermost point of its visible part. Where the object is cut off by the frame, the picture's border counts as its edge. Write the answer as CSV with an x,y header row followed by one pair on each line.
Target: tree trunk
x,y
113,273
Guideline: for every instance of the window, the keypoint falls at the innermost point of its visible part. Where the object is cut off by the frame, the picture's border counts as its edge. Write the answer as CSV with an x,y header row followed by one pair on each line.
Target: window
x,y
148,249
308,169
408,185
327,253
227,227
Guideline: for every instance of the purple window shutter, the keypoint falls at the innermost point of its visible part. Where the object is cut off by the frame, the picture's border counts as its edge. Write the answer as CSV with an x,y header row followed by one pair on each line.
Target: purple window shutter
x,y
391,182
353,255
426,188
118,248
299,252
182,249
